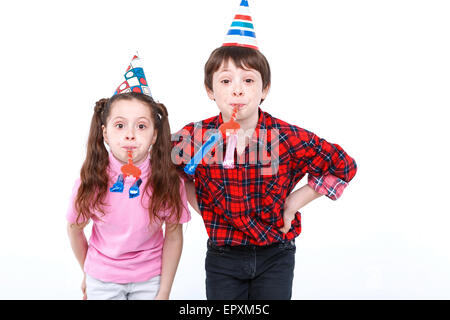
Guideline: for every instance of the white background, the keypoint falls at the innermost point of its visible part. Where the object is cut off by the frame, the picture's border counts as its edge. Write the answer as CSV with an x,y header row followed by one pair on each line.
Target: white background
x,y
372,76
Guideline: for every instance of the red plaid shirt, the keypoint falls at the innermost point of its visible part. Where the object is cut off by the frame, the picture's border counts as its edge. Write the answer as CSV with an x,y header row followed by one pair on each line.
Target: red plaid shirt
x,y
244,205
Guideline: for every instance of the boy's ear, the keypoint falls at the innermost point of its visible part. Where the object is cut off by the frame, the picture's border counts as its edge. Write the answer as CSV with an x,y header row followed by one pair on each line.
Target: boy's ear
x,y
265,92
210,93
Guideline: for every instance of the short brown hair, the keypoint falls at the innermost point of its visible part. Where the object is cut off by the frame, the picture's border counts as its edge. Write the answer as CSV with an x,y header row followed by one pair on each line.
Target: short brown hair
x,y
242,57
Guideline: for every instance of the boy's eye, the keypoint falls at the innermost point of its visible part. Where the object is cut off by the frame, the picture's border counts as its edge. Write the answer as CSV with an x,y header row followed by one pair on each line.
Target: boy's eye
x,y
225,81
249,80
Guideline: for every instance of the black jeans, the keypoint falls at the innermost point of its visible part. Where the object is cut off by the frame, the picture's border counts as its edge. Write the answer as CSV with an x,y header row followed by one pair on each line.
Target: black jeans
x,y
250,272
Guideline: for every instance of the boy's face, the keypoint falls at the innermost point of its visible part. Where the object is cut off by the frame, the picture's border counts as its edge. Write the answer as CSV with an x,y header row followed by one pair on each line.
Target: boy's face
x,y
129,127
237,87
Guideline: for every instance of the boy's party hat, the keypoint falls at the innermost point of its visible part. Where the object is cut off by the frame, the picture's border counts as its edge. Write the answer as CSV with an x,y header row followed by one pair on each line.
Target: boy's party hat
x,y
135,80
241,32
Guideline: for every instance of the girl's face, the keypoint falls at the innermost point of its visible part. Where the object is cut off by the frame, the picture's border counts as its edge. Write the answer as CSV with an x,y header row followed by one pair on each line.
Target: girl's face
x,y
129,127
237,87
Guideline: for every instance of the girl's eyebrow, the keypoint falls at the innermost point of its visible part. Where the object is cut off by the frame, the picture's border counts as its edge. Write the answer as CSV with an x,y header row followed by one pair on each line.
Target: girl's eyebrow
x,y
143,117
117,118
124,118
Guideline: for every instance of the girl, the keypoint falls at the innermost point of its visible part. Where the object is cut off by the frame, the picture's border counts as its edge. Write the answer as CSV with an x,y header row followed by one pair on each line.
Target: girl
x,y
128,257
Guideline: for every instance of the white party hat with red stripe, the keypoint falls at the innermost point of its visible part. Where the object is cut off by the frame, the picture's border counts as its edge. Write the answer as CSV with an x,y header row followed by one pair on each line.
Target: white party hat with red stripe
x,y
241,33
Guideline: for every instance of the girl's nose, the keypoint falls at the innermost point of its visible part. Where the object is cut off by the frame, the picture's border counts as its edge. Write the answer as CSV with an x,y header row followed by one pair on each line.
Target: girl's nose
x,y
130,135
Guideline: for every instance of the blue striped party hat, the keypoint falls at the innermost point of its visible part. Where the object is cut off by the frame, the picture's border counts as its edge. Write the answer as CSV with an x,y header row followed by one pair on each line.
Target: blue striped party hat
x,y
241,33
135,80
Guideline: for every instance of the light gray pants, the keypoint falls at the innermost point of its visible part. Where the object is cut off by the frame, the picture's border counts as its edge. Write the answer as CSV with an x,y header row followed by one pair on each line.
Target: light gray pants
x,y
100,290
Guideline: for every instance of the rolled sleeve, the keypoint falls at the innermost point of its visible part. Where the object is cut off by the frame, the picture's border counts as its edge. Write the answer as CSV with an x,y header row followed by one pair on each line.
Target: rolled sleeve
x,y
328,185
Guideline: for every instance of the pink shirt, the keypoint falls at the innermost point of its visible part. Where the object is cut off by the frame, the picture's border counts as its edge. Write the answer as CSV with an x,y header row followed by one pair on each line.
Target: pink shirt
x,y
123,247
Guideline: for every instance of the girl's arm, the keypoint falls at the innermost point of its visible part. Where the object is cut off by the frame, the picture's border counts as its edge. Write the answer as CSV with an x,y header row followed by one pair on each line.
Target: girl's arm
x,y
295,201
173,244
78,242
190,194
79,246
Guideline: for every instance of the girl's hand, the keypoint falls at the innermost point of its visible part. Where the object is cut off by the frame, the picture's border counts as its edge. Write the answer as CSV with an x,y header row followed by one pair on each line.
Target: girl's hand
x,y
161,296
83,287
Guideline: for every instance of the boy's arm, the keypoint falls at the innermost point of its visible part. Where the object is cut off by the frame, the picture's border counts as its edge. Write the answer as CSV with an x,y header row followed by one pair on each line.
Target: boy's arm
x,y
173,245
328,158
191,197
329,170
185,147
295,201
329,167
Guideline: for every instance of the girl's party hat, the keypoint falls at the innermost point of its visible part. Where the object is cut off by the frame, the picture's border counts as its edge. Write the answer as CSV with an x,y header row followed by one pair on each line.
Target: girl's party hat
x,y
135,80
241,32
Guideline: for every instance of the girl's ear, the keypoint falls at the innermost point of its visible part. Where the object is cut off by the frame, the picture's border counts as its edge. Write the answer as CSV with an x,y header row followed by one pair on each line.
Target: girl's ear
x,y
155,136
104,134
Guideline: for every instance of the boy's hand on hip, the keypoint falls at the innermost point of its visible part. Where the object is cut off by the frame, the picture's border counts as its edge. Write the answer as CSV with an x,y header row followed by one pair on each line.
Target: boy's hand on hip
x,y
288,216
294,202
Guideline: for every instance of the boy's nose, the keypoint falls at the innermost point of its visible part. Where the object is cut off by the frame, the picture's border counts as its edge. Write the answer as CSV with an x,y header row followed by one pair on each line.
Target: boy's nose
x,y
238,91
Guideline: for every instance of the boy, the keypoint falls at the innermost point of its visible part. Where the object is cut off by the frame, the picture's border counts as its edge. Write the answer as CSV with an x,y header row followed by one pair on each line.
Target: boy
x,y
249,212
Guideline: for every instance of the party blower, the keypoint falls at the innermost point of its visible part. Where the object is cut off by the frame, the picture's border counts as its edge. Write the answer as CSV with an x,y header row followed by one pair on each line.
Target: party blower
x,y
230,126
128,169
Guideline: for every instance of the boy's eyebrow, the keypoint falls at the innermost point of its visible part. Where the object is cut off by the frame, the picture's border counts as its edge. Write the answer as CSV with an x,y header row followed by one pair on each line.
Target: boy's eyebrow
x,y
225,69
251,70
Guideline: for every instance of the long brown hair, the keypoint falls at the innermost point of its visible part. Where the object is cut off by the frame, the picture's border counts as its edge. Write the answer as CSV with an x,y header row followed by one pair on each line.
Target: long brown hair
x,y
163,185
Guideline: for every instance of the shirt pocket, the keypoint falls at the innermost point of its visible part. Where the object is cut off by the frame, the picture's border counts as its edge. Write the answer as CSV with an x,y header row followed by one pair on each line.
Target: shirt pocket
x,y
274,193
226,189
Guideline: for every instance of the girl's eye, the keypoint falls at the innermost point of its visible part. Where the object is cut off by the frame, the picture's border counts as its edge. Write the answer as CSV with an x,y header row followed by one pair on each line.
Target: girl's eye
x,y
119,125
142,126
